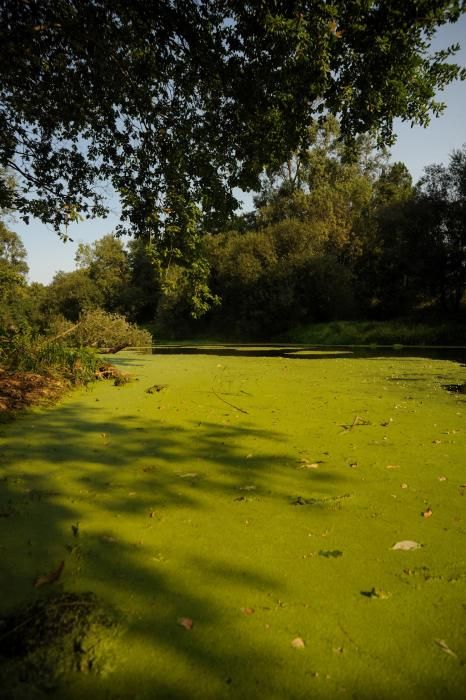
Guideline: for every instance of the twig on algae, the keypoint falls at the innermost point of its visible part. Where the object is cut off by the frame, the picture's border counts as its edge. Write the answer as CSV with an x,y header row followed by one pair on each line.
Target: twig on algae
x,y
237,408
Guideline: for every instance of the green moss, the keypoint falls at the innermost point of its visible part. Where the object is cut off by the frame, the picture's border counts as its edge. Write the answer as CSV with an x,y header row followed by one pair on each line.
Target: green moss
x,y
54,637
259,498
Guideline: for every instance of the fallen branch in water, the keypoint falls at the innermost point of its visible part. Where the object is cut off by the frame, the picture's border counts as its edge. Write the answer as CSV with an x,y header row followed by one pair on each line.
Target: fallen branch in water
x,y
357,421
109,371
113,350
237,408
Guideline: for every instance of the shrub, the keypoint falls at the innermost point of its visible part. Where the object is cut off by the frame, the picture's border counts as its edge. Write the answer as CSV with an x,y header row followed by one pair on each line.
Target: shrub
x,y
105,330
24,352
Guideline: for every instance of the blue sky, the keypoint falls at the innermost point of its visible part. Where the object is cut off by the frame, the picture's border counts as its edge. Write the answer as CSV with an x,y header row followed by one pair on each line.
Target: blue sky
x,y
416,147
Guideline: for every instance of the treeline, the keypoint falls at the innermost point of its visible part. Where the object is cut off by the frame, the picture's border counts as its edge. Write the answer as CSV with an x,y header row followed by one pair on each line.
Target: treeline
x,y
341,234
336,233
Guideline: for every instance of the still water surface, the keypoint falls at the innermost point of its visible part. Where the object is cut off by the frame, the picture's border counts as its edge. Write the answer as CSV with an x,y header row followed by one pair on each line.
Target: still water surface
x,y
316,352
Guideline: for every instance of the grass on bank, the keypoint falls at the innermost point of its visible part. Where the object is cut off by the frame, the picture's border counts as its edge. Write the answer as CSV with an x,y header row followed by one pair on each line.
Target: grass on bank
x,y
379,333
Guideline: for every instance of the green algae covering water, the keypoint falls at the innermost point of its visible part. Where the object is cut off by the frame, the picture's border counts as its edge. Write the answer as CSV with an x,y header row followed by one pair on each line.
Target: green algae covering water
x,y
265,527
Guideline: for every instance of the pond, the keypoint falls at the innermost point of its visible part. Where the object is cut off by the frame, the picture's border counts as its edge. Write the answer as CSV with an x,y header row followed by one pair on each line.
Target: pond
x,y
313,352
262,527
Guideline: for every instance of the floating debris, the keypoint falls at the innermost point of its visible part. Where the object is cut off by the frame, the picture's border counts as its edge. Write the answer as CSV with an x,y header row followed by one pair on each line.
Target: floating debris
x,y
298,643
407,545
156,388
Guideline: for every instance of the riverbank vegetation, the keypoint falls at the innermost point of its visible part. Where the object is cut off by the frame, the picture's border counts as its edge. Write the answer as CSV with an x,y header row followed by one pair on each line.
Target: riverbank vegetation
x,y
336,235
397,332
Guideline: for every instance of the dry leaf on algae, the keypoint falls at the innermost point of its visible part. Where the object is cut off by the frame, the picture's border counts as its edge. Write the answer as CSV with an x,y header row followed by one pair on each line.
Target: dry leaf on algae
x,y
185,622
46,579
298,643
247,611
444,647
407,545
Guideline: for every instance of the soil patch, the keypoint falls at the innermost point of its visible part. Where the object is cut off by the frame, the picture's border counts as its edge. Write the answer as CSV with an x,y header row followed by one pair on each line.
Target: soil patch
x,y
18,390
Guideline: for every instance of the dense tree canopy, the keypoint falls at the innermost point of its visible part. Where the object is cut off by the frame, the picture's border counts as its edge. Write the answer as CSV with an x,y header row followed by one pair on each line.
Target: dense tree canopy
x,y
176,102
13,271
105,262
439,229
348,238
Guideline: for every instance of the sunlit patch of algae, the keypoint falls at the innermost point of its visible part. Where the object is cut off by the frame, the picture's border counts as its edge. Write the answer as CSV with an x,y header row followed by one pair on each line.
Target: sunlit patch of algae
x,y
259,498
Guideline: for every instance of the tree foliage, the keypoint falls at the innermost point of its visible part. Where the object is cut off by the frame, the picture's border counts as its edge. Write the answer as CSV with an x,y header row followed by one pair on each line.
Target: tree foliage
x,y
351,237
176,103
13,271
329,187
106,263
382,257
101,329
440,229
278,276
70,294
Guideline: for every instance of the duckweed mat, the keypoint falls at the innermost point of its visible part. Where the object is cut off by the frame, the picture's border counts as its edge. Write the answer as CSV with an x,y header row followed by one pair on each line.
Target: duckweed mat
x,y
266,528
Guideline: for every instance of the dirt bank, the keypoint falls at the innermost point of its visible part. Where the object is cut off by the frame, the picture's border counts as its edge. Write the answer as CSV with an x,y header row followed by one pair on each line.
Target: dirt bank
x,y
19,390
